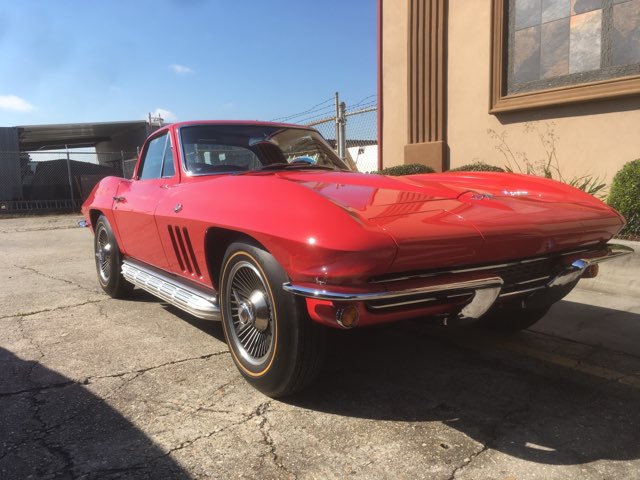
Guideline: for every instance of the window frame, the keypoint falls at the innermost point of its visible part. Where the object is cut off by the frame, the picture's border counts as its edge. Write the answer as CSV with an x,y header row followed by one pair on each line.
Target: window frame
x,y
143,158
500,101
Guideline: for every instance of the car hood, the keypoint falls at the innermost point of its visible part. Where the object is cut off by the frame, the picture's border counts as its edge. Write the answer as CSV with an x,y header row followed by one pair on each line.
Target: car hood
x,y
453,219
372,195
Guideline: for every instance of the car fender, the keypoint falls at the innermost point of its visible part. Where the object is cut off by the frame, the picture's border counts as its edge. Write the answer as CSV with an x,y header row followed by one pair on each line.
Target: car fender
x,y
309,235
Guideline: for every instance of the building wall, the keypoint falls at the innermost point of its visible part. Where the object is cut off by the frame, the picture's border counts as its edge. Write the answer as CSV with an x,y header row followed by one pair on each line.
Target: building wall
x,y
10,178
128,141
591,138
394,81
594,138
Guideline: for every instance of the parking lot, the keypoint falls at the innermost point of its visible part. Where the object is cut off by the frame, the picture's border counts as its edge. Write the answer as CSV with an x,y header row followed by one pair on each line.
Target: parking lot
x,y
93,387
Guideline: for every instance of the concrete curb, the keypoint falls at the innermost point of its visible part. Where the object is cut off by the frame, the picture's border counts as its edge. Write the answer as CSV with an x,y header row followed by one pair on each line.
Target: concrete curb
x,y
620,276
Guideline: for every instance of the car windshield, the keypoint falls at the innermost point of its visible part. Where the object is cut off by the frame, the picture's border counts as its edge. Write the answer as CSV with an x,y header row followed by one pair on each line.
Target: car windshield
x,y
211,149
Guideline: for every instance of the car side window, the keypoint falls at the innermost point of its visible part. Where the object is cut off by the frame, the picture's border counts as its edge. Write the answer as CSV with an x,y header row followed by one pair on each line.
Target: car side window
x,y
158,159
168,169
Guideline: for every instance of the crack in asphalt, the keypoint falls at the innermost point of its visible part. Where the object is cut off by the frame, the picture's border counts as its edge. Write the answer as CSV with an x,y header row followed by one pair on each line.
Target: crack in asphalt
x,y
36,390
58,451
90,379
43,432
196,410
141,371
41,229
51,277
54,309
267,439
259,412
492,437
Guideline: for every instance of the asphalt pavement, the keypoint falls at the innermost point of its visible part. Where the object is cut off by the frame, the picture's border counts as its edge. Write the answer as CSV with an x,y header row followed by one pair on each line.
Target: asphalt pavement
x,y
92,387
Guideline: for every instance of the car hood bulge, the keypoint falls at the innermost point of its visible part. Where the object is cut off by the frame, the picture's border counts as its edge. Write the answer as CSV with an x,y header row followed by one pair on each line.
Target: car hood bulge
x,y
415,212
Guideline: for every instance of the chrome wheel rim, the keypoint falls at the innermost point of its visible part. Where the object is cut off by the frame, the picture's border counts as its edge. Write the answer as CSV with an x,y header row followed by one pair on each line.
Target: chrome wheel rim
x,y
103,253
250,310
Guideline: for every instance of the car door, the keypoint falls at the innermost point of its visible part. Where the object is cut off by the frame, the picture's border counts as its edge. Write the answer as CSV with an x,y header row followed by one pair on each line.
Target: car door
x,y
137,200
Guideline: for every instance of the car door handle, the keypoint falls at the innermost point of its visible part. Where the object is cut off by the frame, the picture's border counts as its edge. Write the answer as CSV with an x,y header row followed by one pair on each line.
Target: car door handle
x,y
118,199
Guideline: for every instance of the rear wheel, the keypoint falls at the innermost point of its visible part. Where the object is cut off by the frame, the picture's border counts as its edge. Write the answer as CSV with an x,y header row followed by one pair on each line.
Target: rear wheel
x,y
272,340
109,261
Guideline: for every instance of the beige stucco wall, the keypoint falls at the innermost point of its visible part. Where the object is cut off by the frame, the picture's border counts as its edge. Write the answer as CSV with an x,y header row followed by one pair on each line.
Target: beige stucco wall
x,y
394,81
591,139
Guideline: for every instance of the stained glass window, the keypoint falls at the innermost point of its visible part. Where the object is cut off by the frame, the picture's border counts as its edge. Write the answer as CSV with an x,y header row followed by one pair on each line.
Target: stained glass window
x,y
554,43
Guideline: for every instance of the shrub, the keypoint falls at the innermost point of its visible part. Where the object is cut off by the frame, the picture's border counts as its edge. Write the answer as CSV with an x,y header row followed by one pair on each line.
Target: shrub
x,y
478,167
589,184
408,169
548,166
624,195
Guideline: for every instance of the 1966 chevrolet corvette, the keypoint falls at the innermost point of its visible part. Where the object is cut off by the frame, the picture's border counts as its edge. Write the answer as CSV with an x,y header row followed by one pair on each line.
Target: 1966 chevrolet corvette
x,y
263,227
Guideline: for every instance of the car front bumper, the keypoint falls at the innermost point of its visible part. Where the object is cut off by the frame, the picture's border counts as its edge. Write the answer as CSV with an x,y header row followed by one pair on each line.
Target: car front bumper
x,y
467,293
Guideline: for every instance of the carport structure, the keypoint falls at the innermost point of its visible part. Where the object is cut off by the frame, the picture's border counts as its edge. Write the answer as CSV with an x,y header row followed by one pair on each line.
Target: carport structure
x,y
22,148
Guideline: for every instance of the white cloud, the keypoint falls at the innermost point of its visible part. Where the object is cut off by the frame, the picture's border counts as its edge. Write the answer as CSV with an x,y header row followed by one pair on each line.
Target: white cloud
x,y
166,115
180,69
15,104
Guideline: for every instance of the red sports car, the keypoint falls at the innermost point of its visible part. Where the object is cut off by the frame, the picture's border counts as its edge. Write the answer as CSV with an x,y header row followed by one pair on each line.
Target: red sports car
x,y
262,226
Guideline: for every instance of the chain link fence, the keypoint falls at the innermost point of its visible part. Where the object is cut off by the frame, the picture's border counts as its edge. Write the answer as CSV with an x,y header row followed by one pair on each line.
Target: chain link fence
x,y
57,181
360,144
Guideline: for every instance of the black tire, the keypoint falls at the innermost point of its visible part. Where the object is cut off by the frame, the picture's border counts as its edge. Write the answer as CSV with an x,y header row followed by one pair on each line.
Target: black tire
x,y
513,318
275,345
109,261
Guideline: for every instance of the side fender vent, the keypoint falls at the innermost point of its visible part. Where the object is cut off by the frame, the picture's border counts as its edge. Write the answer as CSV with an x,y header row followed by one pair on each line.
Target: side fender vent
x,y
183,249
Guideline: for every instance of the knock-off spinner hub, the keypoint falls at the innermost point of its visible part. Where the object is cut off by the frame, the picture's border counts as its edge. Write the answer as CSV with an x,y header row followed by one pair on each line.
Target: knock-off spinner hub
x,y
255,311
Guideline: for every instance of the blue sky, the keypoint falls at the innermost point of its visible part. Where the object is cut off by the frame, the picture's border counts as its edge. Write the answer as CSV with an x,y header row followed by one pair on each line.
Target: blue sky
x,y
70,61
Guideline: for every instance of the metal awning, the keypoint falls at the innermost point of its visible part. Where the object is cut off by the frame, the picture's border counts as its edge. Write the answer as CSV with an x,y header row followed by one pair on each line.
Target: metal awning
x,y
73,135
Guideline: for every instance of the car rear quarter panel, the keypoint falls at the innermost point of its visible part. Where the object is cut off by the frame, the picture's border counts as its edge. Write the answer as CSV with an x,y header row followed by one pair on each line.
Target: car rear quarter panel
x,y
100,201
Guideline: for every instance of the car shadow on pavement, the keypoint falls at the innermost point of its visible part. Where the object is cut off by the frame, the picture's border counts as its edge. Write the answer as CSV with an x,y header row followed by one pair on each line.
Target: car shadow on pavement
x,y
523,407
53,427
615,330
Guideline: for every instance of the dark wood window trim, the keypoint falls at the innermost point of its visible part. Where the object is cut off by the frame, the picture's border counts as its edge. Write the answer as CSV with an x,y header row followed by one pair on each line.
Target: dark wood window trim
x,y
501,102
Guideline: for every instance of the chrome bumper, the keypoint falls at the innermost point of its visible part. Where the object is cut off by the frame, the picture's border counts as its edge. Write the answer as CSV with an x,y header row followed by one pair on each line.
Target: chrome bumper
x,y
578,267
484,291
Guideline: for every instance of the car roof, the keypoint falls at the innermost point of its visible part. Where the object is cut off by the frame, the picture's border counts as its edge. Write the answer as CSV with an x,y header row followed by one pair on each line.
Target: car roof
x,y
235,122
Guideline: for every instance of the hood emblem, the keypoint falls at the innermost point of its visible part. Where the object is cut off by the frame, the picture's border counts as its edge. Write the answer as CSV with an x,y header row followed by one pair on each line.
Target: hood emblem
x,y
516,193
481,196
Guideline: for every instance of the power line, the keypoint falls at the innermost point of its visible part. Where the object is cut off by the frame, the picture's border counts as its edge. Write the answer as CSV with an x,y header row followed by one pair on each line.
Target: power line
x,y
322,110
310,110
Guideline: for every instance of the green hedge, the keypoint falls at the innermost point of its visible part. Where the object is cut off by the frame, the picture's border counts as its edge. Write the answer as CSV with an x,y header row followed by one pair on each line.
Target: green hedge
x,y
409,169
624,196
478,167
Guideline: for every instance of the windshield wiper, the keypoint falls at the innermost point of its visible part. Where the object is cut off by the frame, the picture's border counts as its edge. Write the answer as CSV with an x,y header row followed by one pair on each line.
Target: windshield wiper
x,y
294,166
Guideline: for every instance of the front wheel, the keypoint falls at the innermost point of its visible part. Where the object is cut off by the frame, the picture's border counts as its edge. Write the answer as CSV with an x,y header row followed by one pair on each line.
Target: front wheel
x,y
272,340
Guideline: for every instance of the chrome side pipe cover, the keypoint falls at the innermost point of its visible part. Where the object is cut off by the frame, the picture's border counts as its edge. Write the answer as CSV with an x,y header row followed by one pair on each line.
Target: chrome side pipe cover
x,y
171,291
